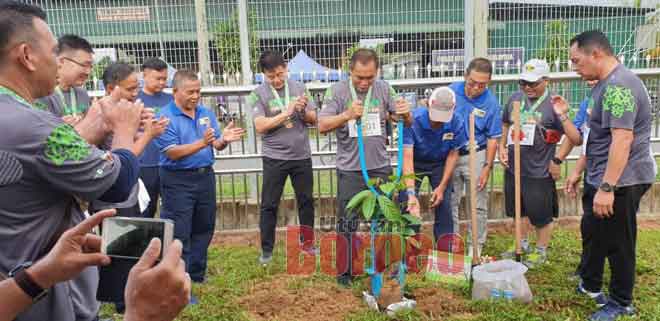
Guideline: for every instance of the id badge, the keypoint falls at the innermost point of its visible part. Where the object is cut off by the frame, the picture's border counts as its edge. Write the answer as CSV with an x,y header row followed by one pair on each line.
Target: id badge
x,y
370,126
527,132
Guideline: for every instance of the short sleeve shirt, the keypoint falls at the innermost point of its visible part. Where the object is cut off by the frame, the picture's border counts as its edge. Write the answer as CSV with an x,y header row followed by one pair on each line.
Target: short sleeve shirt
x,y
534,160
282,143
581,120
57,165
151,155
183,130
620,101
487,112
60,104
430,144
336,100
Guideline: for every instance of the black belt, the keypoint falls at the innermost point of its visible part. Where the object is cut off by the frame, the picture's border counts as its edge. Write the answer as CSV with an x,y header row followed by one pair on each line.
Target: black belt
x,y
466,151
201,170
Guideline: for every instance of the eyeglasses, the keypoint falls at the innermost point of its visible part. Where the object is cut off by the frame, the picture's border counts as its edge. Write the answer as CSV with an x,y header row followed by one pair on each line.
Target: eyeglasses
x,y
81,65
532,85
475,84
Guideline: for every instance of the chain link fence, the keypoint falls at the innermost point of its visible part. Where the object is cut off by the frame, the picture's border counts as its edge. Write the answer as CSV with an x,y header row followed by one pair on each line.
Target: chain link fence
x,y
417,38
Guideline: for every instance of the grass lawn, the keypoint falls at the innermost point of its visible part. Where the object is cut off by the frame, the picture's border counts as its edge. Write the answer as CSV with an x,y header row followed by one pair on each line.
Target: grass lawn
x,y
239,289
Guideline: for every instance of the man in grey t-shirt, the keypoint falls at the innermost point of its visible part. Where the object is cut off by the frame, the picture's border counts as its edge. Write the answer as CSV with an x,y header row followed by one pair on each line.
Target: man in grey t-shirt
x,y
74,64
282,110
620,170
58,167
544,119
362,96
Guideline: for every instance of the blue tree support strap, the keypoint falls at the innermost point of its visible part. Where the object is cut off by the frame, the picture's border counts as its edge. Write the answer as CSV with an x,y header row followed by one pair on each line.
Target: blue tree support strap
x,y
377,278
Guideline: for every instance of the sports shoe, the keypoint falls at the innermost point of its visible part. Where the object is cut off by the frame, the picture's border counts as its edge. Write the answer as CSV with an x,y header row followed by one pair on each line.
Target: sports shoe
x,y
598,297
612,311
344,280
265,258
511,252
193,300
535,259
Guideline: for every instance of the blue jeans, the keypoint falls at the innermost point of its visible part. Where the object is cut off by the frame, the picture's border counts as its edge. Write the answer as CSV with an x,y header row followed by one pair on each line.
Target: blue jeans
x,y
188,199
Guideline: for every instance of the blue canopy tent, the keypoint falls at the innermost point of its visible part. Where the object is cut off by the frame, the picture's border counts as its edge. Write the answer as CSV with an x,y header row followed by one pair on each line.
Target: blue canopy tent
x,y
303,68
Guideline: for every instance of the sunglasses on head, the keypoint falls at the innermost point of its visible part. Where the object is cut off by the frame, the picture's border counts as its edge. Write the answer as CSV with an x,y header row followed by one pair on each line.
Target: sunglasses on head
x,y
524,83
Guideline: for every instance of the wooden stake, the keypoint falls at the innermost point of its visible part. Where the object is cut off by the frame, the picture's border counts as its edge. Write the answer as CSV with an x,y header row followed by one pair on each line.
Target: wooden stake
x,y
516,173
473,192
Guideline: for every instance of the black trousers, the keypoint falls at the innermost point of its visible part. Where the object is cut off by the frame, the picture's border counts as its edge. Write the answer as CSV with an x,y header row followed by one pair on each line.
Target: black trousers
x,y
614,239
275,173
350,183
151,179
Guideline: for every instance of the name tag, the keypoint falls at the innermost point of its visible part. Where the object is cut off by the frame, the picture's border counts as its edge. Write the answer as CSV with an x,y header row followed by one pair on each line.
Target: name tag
x,y
527,133
479,113
204,121
371,125
448,136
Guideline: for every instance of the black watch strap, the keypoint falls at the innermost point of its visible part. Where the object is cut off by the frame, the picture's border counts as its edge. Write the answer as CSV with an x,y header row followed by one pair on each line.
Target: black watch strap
x,y
607,188
557,161
27,283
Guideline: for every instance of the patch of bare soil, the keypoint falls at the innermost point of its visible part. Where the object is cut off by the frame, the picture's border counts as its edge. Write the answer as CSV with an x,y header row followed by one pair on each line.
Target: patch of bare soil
x,y
294,298
437,302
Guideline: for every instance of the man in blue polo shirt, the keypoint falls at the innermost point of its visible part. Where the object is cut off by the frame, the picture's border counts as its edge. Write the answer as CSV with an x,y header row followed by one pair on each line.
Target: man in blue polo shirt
x,y
472,95
186,169
431,148
152,95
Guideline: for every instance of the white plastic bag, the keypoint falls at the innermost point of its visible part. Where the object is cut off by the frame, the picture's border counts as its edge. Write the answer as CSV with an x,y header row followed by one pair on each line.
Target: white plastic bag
x,y
503,279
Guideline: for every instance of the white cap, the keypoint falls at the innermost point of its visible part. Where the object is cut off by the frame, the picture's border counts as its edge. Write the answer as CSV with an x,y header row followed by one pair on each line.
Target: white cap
x,y
534,70
441,104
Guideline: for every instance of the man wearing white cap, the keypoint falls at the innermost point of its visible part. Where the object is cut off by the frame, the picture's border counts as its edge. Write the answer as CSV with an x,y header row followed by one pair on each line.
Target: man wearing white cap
x,y
544,119
431,147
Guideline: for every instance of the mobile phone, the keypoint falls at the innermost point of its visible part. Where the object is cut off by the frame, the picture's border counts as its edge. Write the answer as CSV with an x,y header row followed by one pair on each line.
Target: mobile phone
x,y
129,237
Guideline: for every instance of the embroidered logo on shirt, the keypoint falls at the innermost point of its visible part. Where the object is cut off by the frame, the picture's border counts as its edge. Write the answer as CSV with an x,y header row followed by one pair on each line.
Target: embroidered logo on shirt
x,y
618,100
252,98
479,113
40,105
64,144
448,136
393,93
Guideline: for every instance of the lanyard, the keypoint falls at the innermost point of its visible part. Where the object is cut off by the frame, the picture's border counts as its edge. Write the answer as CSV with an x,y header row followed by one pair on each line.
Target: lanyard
x,y
532,111
74,107
286,95
6,91
536,104
367,99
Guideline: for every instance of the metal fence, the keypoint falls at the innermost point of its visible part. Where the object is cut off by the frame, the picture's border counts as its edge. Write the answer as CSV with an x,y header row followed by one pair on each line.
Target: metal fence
x,y
417,38
419,41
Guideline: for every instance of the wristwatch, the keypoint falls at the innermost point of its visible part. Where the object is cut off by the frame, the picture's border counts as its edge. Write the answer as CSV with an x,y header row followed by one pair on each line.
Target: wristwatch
x,y
410,192
557,161
26,283
607,188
